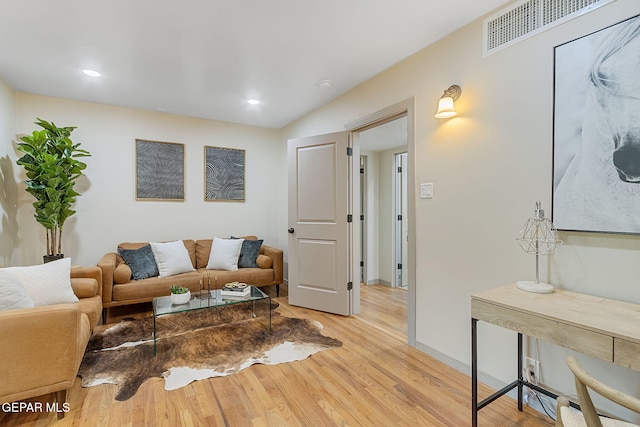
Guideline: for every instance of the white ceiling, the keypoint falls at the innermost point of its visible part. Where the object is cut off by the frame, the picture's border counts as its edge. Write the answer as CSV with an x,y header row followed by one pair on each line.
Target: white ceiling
x,y
205,58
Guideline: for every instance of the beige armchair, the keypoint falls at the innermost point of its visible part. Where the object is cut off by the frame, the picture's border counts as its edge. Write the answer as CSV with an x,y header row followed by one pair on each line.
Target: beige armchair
x,y
42,347
589,416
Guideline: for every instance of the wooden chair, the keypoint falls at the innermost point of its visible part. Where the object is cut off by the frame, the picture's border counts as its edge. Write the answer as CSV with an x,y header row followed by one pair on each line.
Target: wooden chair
x,y
589,416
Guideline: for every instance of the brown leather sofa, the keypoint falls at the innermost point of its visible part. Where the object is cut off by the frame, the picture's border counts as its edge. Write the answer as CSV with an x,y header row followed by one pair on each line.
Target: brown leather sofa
x,y
119,291
42,347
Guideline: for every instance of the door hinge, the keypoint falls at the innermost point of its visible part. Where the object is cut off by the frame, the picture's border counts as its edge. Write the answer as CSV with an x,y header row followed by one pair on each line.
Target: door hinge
x,y
399,217
349,286
361,263
361,217
399,169
399,266
349,151
349,218
362,170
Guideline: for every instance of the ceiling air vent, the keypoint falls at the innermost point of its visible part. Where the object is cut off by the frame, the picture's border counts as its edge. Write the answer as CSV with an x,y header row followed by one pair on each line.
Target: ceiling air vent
x,y
530,17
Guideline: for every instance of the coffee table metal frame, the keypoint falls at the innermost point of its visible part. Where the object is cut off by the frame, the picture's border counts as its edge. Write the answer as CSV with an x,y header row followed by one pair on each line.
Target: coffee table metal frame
x,y
261,302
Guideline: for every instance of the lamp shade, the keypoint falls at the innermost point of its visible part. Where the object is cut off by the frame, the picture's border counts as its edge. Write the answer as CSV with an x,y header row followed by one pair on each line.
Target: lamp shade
x,y
445,108
540,237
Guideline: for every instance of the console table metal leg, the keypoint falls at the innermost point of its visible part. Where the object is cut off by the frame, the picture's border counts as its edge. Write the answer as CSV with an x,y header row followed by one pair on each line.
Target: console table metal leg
x,y
520,372
474,372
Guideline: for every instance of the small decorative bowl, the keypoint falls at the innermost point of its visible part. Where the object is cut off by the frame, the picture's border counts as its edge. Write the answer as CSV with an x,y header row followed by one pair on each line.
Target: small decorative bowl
x,y
180,298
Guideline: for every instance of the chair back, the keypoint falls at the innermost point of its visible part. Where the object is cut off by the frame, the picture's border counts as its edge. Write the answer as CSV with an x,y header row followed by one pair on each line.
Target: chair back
x,y
584,382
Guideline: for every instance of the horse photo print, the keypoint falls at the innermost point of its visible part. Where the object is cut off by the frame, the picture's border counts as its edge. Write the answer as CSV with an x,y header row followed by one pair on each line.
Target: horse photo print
x,y
596,132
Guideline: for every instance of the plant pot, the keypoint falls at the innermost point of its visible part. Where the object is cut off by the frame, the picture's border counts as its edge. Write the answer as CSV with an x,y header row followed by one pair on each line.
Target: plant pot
x,y
180,298
49,258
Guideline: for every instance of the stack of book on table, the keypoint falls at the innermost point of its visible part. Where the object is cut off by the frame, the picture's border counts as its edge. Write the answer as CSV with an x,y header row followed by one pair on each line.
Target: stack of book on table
x,y
235,289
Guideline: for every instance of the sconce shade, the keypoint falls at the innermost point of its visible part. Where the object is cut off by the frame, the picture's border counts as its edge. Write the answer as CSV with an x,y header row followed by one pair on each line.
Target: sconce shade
x,y
446,108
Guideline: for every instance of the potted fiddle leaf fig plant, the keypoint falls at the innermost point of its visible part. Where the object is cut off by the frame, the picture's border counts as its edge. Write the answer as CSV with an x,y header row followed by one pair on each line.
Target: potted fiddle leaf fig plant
x,y
52,167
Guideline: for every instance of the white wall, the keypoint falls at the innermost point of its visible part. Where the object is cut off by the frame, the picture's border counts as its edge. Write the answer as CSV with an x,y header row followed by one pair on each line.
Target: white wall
x,y
489,165
107,210
8,186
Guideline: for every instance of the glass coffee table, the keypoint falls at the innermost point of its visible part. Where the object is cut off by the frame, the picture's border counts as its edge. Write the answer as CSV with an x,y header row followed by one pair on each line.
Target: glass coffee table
x,y
261,302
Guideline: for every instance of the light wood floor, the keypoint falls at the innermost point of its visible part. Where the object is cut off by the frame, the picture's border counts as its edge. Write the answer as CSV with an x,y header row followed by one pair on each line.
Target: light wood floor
x,y
375,379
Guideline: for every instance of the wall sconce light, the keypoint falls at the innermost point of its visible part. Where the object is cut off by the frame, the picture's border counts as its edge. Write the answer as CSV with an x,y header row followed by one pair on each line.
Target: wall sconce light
x,y
445,105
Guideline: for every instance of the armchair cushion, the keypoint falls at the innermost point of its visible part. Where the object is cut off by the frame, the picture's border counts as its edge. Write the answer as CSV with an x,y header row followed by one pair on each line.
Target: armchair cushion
x,y
12,292
48,283
84,287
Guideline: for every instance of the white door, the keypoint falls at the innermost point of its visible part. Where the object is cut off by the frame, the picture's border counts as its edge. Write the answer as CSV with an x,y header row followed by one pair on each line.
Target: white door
x,y
319,253
402,221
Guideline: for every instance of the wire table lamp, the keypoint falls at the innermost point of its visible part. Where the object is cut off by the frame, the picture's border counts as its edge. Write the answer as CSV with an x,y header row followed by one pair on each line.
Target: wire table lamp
x,y
540,237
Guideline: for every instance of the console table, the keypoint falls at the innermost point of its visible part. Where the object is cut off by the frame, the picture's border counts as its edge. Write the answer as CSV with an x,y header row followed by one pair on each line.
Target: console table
x,y
603,328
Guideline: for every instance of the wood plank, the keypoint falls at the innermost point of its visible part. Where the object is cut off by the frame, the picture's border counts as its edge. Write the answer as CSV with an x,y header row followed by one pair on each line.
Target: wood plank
x,y
374,379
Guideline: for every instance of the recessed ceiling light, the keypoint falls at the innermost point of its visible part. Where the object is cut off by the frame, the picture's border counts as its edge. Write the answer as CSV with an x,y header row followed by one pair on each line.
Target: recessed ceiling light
x,y
253,102
325,83
91,73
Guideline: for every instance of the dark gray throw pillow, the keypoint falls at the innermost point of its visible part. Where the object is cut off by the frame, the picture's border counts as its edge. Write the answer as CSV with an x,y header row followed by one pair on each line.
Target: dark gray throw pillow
x,y
249,253
141,262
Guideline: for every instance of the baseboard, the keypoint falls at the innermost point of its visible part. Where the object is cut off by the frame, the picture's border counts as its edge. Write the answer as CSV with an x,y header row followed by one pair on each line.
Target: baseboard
x,y
482,377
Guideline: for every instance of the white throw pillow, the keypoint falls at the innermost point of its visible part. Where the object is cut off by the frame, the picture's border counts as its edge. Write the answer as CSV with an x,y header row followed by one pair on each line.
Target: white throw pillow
x,y
172,258
224,254
48,283
12,292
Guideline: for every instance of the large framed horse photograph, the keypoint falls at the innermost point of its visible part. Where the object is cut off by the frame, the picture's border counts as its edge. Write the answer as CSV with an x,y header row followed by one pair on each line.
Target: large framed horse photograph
x,y
596,131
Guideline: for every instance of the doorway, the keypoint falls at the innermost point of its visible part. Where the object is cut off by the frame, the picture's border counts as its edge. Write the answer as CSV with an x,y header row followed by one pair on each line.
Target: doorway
x,y
341,285
383,204
402,110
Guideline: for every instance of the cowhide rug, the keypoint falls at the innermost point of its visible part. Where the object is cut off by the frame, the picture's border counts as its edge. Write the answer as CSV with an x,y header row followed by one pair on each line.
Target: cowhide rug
x,y
194,346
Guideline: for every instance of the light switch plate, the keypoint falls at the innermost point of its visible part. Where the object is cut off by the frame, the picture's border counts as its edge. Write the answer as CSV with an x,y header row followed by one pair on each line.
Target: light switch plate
x,y
426,190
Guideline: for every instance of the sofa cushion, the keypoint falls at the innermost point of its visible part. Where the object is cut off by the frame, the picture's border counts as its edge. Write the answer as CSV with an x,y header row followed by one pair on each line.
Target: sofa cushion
x,y
251,276
122,273
249,253
172,258
13,294
48,283
203,248
224,254
141,261
146,290
264,261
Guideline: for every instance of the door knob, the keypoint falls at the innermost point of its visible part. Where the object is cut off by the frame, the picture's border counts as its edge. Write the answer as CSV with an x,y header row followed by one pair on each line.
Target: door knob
x,y
291,230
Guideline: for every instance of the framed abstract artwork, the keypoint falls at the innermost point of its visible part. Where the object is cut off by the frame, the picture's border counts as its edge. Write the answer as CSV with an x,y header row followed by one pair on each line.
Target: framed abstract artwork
x,y
159,170
224,172
596,131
